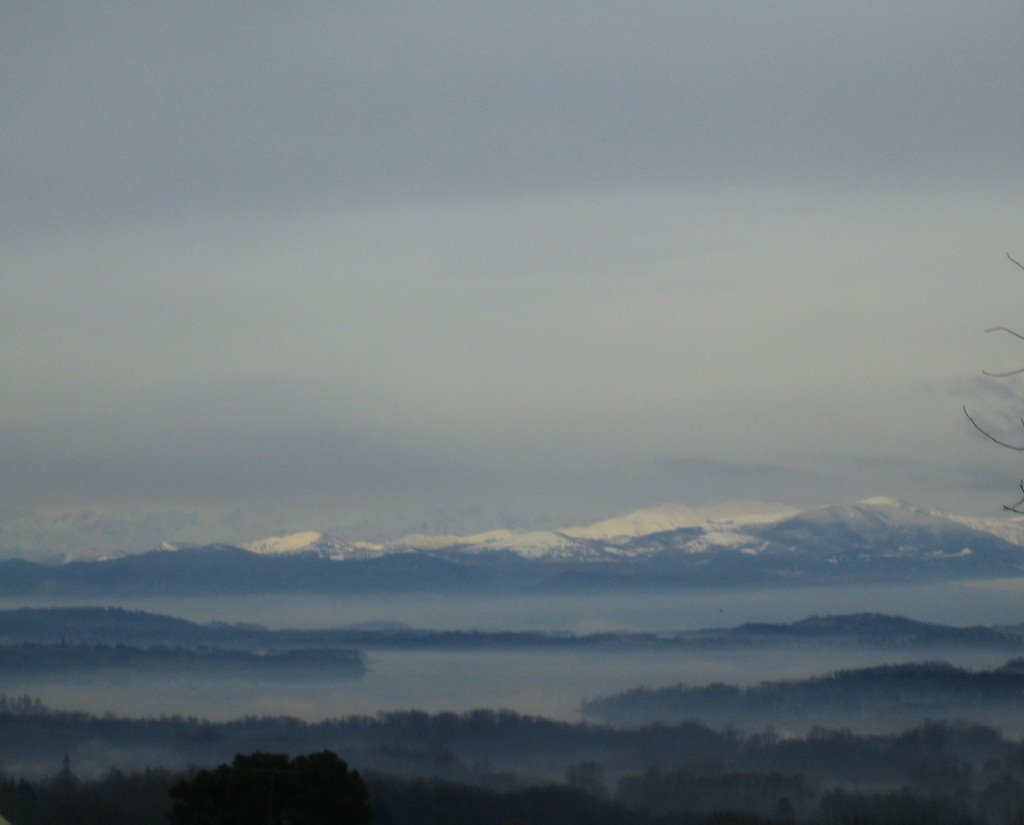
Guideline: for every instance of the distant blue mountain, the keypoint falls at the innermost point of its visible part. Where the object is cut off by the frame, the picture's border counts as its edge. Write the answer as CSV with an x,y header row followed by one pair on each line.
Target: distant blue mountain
x,y
872,541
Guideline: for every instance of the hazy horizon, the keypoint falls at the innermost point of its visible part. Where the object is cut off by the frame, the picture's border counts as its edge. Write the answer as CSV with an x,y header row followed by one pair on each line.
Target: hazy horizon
x,y
96,534
379,269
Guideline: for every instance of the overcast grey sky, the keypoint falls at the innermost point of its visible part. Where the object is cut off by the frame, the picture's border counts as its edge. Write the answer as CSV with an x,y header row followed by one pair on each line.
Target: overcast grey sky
x,y
374,266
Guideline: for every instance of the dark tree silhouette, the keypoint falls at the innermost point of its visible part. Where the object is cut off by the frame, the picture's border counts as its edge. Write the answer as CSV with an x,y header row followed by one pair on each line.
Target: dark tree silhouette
x,y
1017,506
318,789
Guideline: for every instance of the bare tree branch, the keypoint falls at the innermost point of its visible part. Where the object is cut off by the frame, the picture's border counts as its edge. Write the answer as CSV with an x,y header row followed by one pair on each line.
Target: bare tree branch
x,y
1011,372
1006,329
990,437
1018,506
1015,508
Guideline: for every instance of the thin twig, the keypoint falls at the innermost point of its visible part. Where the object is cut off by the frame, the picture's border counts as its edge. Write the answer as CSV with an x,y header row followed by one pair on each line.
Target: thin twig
x,y
1006,329
991,437
1014,508
1011,372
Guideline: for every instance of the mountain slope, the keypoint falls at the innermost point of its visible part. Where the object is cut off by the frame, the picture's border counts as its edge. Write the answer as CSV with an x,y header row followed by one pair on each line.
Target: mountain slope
x,y
609,538
871,541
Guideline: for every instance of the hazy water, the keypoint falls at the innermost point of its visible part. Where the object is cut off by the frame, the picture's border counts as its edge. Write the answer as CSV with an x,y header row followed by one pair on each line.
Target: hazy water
x,y
548,683
551,683
988,602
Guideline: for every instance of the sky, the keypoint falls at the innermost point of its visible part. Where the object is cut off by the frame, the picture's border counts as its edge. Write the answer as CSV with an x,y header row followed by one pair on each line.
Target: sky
x,y
381,267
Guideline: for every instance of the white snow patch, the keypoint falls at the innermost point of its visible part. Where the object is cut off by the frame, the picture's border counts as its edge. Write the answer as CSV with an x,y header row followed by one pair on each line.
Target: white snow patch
x,y
292,543
876,511
883,501
678,516
711,539
1008,529
533,544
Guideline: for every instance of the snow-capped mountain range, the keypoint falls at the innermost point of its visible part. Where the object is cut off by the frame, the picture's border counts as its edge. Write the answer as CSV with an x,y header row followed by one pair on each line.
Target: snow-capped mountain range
x,y
720,525
735,526
672,546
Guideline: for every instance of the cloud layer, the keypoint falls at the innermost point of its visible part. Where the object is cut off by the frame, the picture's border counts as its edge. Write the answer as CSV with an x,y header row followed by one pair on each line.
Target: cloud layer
x,y
375,265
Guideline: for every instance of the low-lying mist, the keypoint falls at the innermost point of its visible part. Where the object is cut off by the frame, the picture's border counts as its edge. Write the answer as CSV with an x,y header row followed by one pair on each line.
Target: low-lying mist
x,y
954,603
503,692
550,683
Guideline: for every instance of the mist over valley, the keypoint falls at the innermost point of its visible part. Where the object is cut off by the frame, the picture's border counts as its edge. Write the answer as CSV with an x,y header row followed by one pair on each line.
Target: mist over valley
x,y
669,660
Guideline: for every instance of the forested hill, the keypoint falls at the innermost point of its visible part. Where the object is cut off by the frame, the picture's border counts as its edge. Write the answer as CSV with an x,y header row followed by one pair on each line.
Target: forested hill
x,y
867,698
96,625
661,770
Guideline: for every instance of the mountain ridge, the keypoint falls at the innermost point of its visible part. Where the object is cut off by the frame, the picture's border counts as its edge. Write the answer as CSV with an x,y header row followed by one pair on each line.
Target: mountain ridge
x,y
113,626
718,526
872,541
555,542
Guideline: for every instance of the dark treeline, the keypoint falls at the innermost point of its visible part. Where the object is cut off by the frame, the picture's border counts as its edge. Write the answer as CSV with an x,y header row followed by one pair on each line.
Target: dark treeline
x,y
888,696
144,799
676,798
654,771
113,626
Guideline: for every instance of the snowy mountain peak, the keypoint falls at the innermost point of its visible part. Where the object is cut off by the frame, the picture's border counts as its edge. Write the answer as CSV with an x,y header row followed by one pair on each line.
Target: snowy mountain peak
x,y
293,543
885,501
878,511
720,525
668,517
